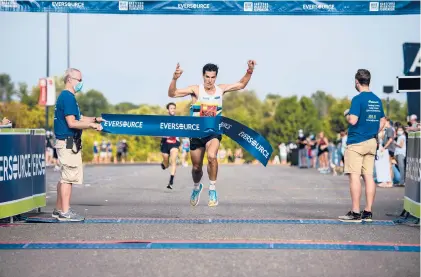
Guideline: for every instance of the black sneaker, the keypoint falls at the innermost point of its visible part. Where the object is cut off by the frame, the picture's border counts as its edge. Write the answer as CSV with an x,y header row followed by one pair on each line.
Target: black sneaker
x,y
367,216
169,186
163,166
351,217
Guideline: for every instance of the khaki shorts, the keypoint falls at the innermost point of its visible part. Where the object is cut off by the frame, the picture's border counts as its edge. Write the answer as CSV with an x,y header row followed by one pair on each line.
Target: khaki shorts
x,y
70,163
359,157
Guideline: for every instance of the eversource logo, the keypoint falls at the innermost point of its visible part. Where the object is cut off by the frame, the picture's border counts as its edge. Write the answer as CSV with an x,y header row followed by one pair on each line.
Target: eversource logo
x,y
21,166
124,124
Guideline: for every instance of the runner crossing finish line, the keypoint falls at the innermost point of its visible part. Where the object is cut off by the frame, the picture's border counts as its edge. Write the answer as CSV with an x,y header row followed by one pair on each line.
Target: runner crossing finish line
x,y
191,127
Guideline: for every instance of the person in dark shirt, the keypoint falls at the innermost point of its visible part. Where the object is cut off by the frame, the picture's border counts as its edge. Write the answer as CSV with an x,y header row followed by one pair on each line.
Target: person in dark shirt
x,y
366,119
68,126
302,151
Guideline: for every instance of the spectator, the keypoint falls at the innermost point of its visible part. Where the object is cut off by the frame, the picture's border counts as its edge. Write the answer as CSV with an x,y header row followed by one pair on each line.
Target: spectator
x,y
400,154
283,153
344,138
382,163
388,143
48,148
230,156
313,150
103,152
238,156
125,150
5,123
302,151
95,152
323,152
366,119
109,151
413,125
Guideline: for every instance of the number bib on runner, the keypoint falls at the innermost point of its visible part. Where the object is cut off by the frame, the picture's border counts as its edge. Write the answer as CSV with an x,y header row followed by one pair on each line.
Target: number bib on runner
x,y
208,110
171,140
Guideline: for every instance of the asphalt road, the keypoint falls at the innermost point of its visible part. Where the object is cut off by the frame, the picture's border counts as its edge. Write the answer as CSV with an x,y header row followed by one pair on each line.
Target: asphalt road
x,y
120,193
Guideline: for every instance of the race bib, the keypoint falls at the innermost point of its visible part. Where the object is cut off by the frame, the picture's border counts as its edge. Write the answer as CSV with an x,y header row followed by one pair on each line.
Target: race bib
x,y
208,110
171,140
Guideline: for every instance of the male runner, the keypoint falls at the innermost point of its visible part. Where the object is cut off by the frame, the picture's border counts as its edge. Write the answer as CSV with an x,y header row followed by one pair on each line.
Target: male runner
x,y
185,143
206,101
169,149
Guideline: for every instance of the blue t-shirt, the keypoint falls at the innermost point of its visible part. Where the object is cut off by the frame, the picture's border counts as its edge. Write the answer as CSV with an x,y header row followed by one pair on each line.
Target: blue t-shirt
x,y
66,105
369,109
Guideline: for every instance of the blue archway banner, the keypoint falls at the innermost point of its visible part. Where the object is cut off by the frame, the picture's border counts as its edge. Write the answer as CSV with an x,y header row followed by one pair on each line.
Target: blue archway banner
x,y
216,7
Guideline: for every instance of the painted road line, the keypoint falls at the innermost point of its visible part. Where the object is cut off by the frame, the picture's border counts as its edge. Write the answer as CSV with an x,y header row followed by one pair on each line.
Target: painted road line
x,y
208,221
344,246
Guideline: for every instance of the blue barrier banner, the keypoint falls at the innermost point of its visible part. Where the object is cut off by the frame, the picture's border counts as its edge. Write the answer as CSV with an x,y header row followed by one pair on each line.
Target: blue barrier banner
x,y
22,171
217,7
190,127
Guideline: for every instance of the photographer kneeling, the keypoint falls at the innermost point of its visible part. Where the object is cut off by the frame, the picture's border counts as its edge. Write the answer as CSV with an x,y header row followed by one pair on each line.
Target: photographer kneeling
x,y
366,119
68,126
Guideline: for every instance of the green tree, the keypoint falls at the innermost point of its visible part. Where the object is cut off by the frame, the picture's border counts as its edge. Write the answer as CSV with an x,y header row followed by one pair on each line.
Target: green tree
x,y
336,118
92,103
7,88
322,101
124,107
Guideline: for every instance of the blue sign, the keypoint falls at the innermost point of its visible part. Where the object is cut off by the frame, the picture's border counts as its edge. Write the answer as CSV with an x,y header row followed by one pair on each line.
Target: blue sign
x,y
411,59
22,171
412,63
190,127
217,7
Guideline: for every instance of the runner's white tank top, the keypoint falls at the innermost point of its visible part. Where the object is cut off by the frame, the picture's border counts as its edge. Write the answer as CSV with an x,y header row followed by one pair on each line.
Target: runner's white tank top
x,y
208,105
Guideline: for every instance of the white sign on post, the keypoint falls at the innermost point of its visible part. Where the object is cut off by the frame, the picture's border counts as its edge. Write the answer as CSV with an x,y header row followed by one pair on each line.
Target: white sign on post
x,y
51,92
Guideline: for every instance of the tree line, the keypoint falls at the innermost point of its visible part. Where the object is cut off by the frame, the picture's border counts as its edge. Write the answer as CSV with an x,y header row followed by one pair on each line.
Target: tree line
x,y
277,118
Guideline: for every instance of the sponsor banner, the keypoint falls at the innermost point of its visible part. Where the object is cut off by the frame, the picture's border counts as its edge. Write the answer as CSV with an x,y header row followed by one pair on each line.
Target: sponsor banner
x,y
22,171
412,175
217,7
190,127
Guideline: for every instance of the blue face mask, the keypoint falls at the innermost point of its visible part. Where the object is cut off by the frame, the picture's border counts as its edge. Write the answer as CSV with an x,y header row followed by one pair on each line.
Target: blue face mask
x,y
78,87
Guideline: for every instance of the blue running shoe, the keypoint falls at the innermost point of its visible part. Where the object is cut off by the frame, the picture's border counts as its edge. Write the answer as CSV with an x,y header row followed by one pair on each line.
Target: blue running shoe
x,y
195,195
213,198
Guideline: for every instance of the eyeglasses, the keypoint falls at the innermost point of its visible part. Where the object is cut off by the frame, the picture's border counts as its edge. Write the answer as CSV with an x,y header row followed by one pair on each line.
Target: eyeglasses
x,y
79,80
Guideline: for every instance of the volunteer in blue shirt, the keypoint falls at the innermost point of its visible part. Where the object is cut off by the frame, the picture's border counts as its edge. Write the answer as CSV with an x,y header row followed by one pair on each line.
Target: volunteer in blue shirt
x,y
68,126
366,119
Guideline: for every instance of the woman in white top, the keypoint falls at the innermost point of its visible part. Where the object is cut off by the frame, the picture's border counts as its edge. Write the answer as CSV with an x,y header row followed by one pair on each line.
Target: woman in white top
x,y
382,164
400,154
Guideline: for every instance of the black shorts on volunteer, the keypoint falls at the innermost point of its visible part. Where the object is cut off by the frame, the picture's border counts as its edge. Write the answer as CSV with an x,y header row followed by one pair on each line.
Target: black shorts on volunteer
x,y
166,146
201,142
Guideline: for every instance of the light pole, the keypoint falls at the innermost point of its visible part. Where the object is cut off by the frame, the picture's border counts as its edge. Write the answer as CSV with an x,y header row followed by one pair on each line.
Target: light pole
x,y
68,40
387,90
48,65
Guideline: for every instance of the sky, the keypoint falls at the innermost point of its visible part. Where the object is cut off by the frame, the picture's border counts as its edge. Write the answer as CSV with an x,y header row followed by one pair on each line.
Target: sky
x,y
131,58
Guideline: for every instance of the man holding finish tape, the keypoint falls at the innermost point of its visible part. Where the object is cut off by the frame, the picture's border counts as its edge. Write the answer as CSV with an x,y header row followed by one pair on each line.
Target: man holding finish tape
x,y
68,126
206,101
366,119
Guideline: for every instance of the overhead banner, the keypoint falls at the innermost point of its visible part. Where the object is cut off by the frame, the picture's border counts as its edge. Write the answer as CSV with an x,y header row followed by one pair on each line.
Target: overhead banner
x,y
217,7
189,127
